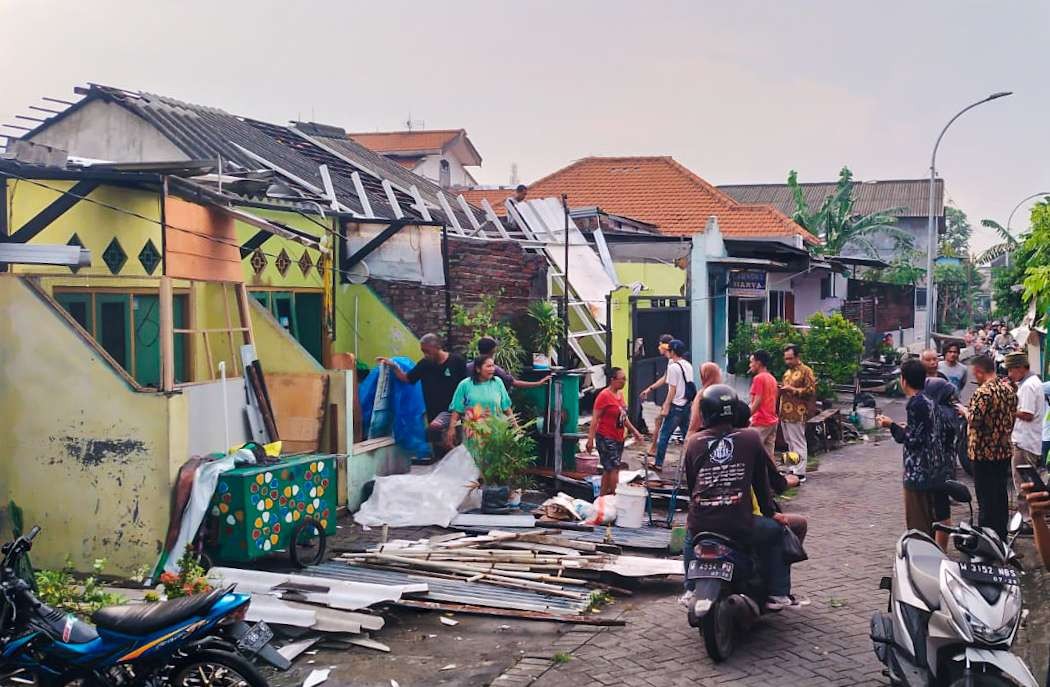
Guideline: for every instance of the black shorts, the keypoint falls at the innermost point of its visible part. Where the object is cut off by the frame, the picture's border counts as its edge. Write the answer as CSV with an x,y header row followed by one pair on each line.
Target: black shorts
x,y
610,452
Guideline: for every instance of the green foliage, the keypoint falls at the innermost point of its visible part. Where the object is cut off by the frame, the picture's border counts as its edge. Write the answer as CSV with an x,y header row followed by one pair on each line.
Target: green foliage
x,y
17,519
598,598
769,336
833,347
1037,269
59,588
1010,303
956,240
190,580
561,658
481,321
836,223
549,327
957,285
1007,244
502,449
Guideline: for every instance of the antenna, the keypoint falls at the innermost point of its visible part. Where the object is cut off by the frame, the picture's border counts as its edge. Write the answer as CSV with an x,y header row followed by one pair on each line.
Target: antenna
x,y
514,174
414,124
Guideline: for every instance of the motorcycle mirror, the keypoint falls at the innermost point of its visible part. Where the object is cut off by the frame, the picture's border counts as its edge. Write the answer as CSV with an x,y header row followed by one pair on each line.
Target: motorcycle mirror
x,y
1015,523
957,491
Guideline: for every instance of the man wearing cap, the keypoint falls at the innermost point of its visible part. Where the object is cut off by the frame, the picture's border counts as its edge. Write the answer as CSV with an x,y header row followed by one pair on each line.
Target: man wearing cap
x,y
676,406
1027,437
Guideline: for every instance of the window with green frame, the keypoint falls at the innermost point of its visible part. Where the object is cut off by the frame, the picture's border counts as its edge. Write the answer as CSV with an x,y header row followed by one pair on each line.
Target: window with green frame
x,y
127,326
299,312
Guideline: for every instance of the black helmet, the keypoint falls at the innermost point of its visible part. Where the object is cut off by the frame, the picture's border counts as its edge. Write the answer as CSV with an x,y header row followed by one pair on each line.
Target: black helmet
x,y
718,403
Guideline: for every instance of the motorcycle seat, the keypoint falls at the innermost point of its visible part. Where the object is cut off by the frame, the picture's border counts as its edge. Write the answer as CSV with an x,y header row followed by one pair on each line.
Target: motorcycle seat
x,y
924,569
146,618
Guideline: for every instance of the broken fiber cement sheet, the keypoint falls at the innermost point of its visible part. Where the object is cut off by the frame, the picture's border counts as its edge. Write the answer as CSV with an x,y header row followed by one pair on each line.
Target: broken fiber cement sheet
x,y
338,594
433,497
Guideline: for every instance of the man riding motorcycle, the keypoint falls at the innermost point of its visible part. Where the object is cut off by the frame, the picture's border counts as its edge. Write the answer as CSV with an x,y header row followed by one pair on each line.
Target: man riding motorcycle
x,y
726,477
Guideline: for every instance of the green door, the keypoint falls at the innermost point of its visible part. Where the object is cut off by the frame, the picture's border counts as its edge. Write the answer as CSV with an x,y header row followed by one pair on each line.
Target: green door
x,y
112,326
308,323
147,339
78,305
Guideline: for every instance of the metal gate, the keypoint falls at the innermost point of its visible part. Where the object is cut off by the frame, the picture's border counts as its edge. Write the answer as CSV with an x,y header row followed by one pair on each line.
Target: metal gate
x,y
651,317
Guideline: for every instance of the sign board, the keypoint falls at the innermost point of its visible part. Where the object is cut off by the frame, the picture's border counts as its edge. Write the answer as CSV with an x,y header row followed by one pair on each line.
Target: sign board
x,y
747,284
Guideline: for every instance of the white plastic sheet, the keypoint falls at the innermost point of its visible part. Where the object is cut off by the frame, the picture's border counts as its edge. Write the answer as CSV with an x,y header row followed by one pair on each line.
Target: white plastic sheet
x,y
433,497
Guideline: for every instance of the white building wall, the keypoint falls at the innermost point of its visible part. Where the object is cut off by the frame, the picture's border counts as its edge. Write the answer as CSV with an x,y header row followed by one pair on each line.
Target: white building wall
x,y
430,167
806,288
106,131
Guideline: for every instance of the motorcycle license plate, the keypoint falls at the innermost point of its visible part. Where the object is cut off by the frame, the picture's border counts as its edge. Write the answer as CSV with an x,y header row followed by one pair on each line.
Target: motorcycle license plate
x,y
988,574
256,638
704,570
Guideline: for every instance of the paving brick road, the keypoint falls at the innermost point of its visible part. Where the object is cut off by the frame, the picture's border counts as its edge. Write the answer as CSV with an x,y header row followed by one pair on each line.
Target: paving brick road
x,y
853,503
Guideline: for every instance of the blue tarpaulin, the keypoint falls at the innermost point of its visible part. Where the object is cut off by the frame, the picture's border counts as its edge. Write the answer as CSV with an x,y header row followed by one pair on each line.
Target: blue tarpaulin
x,y
406,403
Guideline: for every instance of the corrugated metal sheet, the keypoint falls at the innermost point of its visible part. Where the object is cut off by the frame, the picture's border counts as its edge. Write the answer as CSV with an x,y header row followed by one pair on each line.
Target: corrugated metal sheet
x,y
473,593
651,538
868,196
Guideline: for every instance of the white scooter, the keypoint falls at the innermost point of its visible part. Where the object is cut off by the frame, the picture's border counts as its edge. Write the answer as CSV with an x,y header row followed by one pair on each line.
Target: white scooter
x,y
951,623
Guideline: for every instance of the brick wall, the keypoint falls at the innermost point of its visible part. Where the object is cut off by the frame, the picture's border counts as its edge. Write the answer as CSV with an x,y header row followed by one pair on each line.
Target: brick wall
x,y
477,268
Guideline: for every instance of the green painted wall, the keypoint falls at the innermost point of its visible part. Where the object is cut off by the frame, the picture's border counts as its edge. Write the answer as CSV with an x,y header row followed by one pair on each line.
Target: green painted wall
x,y
659,279
621,328
375,331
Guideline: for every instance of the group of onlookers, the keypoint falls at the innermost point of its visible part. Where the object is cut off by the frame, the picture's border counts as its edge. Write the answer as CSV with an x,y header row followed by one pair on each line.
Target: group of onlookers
x,y
1007,424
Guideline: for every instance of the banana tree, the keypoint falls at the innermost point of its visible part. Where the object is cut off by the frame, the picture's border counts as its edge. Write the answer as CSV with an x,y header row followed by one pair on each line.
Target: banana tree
x,y
836,222
1008,244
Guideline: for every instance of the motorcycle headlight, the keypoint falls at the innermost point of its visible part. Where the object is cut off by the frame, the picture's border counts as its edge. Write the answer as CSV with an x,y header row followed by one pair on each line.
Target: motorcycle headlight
x,y
988,630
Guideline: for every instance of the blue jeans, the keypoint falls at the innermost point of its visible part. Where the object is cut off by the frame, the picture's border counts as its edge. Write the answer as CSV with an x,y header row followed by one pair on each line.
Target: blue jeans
x,y
677,416
767,541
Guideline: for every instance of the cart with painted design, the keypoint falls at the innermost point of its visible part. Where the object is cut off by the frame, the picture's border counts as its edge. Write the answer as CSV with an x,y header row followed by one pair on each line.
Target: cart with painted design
x,y
262,510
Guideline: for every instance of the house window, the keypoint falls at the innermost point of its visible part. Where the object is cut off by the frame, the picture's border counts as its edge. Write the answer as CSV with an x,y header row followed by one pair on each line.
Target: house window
x,y
299,312
445,174
777,310
920,297
827,287
127,326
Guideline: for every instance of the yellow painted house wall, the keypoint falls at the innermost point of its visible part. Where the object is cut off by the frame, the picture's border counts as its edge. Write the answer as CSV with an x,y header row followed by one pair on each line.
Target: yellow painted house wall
x,y
85,456
375,330
94,224
659,279
278,350
270,276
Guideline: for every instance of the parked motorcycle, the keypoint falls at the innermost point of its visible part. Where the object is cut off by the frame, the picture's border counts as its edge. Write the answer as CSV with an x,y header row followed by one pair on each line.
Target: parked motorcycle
x,y
951,623
185,642
729,594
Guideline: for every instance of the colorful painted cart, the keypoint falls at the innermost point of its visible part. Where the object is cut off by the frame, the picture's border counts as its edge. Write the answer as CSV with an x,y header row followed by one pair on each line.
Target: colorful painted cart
x,y
263,510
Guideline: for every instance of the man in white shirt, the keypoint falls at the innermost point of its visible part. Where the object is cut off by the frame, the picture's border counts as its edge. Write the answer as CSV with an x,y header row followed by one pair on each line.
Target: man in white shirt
x,y
1046,421
1027,437
681,390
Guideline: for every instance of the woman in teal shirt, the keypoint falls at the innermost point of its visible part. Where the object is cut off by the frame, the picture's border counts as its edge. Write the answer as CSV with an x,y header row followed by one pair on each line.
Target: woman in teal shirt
x,y
479,396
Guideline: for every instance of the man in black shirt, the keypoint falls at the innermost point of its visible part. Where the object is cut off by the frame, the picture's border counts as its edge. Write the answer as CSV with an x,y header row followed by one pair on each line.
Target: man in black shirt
x,y
440,372
727,478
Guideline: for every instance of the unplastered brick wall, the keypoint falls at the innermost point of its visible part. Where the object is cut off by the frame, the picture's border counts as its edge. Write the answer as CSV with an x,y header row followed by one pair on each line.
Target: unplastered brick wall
x,y
477,268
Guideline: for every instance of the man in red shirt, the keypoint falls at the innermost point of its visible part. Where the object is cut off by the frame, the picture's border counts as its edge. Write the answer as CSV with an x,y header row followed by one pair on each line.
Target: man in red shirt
x,y
609,425
764,400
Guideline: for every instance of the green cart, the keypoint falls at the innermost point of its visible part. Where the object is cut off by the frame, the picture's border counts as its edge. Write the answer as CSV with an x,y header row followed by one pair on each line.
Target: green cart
x,y
262,510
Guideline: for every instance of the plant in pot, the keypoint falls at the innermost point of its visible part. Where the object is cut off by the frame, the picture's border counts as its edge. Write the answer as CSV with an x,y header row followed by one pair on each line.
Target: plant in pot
x,y
548,334
503,450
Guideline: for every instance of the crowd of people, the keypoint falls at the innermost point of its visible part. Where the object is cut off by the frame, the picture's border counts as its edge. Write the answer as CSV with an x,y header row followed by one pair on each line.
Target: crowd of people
x,y
1006,424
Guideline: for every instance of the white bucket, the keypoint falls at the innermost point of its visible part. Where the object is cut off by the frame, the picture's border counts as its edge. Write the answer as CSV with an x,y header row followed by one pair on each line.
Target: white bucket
x,y
630,506
866,417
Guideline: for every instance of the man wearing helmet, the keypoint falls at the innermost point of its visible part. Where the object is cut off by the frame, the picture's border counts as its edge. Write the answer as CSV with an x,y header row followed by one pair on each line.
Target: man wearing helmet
x,y
724,467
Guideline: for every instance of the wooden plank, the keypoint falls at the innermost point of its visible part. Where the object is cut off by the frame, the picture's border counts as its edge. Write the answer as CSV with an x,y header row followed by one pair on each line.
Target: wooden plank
x,y
391,198
298,403
366,203
491,215
443,201
229,327
244,309
420,205
167,342
465,206
448,607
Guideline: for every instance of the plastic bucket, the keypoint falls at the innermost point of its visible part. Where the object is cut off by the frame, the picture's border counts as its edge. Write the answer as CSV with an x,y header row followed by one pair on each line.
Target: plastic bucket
x,y
866,416
630,506
587,463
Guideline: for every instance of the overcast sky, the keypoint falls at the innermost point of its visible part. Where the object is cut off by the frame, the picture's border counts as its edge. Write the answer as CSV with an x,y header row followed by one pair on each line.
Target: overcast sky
x,y
738,91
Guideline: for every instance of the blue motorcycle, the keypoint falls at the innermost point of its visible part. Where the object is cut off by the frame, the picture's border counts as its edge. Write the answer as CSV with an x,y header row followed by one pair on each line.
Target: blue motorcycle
x,y
189,642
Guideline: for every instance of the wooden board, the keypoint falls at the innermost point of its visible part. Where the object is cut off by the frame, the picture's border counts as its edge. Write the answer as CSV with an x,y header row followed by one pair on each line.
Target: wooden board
x,y
298,404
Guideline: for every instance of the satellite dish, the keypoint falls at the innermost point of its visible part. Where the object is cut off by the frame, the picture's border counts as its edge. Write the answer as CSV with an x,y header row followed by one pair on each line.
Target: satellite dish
x,y
359,273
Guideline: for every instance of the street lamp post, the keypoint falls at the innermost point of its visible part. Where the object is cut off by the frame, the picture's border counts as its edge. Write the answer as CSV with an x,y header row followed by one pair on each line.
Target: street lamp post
x,y
931,229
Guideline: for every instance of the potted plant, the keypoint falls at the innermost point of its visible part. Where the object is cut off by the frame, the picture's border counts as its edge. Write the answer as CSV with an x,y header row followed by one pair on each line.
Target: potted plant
x,y
503,450
548,335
